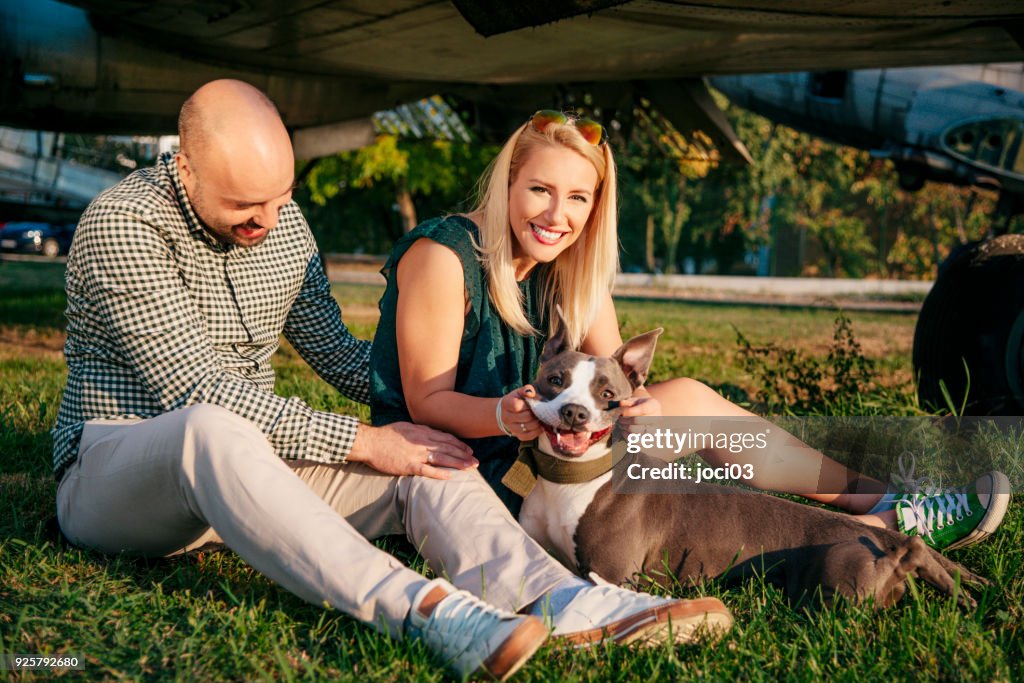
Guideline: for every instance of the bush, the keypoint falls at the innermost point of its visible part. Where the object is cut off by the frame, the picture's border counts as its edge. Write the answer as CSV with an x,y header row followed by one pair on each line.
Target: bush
x,y
798,384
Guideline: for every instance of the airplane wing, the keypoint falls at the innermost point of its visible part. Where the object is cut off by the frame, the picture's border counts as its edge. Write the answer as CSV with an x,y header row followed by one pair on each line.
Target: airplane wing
x,y
126,65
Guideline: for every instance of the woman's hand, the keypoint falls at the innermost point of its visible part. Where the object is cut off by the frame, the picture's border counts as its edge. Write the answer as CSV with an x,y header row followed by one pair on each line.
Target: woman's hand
x,y
404,448
516,414
636,408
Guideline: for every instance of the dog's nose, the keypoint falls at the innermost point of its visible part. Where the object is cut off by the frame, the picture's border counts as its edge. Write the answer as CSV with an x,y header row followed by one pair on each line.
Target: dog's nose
x,y
573,414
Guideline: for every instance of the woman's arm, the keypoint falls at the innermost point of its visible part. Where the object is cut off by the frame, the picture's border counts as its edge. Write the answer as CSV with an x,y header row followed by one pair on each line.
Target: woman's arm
x,y
603,337
431,313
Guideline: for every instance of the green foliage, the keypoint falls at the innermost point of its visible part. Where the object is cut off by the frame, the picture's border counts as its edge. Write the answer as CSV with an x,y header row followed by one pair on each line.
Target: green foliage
x,y
793,382
351,198
846,214
661,173
424,167
821,208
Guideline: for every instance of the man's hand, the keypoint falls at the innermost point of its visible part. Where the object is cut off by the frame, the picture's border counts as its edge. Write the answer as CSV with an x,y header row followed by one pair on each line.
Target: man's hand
x,y
406,448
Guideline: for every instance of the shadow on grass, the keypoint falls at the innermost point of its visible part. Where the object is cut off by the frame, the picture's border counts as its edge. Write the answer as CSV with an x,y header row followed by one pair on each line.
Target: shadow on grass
x,y
204,616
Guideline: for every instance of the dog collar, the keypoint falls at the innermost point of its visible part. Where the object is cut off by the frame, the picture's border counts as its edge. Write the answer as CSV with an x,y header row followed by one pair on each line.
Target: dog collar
x,y
533,463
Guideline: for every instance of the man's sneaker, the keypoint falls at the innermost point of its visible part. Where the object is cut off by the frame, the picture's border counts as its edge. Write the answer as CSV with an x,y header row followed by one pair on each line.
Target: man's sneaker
x,y
607,612
469,635
952,518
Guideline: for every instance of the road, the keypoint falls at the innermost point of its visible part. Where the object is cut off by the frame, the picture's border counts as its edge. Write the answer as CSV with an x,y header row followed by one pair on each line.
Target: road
x,y
895,296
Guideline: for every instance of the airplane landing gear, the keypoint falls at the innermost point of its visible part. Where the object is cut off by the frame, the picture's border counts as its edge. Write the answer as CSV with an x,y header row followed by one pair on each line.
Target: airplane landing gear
x,y
911,177
970,334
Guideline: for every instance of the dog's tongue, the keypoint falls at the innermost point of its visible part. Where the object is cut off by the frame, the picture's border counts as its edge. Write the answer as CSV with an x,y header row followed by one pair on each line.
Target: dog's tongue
x,y
572,442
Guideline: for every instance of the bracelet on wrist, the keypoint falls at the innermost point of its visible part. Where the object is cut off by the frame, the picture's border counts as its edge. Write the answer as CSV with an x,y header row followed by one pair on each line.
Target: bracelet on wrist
x,y
501,423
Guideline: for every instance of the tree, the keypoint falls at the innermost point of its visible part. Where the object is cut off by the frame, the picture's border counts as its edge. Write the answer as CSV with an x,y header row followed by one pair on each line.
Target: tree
x,y
410,170
656,172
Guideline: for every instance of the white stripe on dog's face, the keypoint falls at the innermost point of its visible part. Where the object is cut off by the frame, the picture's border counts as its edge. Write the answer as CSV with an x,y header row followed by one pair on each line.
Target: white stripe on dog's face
x,y
578,392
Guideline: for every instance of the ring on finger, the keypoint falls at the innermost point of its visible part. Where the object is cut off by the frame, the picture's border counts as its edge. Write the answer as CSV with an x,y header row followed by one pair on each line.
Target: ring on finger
x,y
522,426
430,458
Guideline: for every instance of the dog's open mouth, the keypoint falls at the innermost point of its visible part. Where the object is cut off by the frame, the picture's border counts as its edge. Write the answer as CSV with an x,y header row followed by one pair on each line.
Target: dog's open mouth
x,y
573,444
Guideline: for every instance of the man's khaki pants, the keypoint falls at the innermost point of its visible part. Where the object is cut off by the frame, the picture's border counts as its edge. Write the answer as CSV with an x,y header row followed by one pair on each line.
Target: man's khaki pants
x,y
203,474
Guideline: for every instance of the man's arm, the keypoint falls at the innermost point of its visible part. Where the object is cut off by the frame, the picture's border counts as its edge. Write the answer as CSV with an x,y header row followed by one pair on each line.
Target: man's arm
x,y
315,328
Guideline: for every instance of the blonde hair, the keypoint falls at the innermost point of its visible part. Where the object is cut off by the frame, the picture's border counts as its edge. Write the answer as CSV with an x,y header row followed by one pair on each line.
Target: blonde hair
x,y
581,276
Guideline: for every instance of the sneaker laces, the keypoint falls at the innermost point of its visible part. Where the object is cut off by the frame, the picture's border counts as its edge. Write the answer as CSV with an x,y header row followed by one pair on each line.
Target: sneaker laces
x,y
906,480
933,509
463,617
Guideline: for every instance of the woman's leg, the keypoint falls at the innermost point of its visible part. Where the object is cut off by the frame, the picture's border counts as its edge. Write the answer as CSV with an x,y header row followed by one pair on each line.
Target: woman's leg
x,y
781,467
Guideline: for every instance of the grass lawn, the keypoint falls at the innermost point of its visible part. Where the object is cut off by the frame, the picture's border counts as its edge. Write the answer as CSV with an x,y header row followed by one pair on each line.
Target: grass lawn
x,y
210,617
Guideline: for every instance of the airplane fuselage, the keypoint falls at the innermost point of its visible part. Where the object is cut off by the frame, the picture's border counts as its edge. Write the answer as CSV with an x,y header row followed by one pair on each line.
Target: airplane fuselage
x,y
959,124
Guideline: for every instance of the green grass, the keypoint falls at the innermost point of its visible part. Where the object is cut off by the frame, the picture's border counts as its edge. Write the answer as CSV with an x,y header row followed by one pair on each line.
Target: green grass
x,y
210,617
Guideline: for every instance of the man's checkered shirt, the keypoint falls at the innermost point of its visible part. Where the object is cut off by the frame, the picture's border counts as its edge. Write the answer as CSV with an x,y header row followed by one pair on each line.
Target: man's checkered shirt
x,y
162,316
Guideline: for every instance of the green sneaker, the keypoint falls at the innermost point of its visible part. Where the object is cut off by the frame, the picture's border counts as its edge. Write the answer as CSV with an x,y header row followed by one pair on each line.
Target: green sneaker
x,y
951,518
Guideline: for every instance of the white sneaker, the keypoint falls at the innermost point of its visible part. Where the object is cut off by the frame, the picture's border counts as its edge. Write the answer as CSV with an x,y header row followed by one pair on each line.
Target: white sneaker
x,y
469,635
607,612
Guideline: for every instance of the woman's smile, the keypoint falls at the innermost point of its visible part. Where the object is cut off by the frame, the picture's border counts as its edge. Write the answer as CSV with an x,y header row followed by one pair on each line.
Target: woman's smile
x,y
546,235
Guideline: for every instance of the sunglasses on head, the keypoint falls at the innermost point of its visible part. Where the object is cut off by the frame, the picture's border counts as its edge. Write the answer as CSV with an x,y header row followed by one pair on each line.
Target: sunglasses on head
x,y
592,131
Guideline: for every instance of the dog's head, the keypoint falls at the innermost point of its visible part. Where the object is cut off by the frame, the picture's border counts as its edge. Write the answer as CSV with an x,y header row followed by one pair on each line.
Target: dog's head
x,y
578,395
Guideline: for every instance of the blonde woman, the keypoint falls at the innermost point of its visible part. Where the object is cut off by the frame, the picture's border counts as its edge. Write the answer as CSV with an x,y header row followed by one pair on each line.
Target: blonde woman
x,y
467,309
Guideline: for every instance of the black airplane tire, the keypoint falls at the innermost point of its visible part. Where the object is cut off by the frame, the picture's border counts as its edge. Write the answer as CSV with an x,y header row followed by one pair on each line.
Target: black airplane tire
x,y
974,314
910,179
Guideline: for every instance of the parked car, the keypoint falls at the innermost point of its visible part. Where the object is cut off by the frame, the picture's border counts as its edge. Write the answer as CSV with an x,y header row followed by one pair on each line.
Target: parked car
x,y
48,239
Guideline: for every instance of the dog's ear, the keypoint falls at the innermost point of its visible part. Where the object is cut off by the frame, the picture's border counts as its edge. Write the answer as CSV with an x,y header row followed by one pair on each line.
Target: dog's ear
x,y
559,341
635,356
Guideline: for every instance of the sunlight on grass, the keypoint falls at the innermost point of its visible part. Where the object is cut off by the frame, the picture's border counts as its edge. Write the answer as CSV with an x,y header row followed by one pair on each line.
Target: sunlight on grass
x,y
210,617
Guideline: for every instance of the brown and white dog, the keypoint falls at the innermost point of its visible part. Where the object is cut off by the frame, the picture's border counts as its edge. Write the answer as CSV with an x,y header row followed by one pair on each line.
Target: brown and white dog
x,y
571,509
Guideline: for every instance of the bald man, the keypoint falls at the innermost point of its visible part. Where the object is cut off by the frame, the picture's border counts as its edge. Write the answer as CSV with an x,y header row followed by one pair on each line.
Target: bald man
x,y
180,282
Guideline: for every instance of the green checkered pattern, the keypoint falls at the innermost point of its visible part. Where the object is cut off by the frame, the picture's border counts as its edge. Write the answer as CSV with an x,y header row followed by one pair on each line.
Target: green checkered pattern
x,y
162,316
